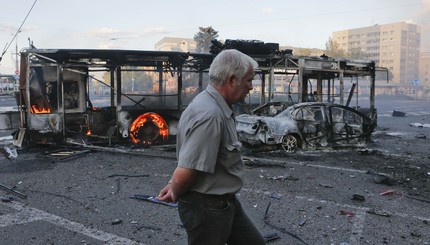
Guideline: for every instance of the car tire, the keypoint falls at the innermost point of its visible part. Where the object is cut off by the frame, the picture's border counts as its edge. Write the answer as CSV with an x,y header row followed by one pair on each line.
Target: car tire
x,y
290,143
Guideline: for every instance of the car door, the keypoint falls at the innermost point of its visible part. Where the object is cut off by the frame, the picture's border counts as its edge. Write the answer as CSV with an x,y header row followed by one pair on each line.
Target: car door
x,y
312,123
346,126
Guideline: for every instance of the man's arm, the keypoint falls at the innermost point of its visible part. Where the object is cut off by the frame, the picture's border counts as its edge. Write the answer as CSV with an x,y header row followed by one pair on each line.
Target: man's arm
x,y
181,181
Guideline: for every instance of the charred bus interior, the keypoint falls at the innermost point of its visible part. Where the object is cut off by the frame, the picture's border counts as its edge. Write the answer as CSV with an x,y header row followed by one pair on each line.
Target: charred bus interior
x,y
143,93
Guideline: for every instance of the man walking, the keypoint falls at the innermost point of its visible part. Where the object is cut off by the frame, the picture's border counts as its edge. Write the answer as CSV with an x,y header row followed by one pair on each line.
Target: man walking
x,y
210,168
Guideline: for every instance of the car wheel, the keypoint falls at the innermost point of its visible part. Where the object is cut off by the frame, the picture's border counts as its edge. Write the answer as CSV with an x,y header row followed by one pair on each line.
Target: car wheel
x,y
290,143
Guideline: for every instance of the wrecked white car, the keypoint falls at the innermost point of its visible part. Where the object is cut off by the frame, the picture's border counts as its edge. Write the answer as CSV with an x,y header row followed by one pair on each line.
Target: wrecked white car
x,y
307,125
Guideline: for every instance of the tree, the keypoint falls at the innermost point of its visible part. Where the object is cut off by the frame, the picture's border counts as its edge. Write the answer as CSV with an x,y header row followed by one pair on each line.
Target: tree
x,y
333,50
203,39
303,52
357,53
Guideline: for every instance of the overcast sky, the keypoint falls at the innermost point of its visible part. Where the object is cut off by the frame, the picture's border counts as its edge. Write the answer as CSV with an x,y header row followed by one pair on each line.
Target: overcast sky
x,y
139,24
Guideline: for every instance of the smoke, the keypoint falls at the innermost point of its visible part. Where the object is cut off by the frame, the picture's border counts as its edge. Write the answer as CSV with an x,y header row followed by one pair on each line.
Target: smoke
x,y
422,18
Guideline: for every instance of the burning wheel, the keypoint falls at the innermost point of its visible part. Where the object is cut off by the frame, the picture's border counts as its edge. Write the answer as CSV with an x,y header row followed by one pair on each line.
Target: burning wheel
x,y
148,129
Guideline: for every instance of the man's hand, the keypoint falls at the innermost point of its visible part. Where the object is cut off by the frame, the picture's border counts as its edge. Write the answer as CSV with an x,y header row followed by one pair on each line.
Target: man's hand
x,y
166,194
181,181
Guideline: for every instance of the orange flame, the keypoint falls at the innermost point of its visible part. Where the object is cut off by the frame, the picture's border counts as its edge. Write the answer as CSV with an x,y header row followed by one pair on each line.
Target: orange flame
x,y
163,131
36,110
89,132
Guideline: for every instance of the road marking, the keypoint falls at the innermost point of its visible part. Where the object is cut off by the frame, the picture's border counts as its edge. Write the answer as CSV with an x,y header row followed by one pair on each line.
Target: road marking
x,y
357,227
308,165
414,113
27,214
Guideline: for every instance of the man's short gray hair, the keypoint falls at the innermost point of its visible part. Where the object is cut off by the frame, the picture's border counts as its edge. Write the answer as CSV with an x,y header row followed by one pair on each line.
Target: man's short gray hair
x,y
230,62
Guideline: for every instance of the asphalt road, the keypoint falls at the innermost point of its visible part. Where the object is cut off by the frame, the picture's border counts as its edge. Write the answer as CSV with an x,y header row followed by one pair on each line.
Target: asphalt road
x,y
329,197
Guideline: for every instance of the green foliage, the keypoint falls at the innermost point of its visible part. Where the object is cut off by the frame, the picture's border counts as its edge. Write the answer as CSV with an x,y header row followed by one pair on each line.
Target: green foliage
x,y
333,50
137,82
357,53
302,52
203,39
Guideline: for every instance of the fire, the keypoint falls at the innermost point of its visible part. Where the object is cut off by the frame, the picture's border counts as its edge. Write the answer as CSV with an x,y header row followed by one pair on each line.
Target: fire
x,y
36,110
89,132
148,129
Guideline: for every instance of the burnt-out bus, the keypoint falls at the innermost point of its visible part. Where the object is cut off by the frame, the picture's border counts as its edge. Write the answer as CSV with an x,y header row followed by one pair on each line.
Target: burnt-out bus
x,y
143,94
136,97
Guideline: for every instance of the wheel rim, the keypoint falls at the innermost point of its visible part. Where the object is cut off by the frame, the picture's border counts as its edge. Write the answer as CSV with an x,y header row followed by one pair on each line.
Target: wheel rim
x,y
289,143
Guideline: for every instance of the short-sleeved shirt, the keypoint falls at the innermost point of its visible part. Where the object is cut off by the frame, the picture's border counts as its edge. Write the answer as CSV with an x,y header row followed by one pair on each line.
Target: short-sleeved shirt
x,y
207,141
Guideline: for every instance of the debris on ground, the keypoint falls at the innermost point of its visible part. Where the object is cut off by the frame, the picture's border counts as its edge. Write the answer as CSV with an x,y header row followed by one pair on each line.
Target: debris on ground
x,y
346,212
398,114
9,151
271,237
420,125
64,153
379,178
391,193
12,191
325,185
6,199
380,213
421,136
280,177
283,230
358,197
152,199
418,198
116,222
302,222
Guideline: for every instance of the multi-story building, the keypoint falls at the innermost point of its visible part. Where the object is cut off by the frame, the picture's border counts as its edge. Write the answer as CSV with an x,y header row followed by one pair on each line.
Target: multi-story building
x,y
395,46
176,44
425,69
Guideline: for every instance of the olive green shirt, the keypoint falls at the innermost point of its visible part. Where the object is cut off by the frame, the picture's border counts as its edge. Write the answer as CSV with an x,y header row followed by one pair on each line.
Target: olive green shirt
x,y
207,141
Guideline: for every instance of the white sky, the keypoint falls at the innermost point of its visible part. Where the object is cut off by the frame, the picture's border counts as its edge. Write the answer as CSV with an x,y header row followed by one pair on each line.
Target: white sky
x,y
139,24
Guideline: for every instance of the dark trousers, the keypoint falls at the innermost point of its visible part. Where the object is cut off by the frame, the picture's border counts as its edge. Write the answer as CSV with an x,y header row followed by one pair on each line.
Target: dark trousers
x,y
216,220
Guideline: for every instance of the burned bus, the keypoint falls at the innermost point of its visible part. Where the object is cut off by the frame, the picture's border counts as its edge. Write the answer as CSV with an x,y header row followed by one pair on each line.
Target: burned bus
x,y
146,93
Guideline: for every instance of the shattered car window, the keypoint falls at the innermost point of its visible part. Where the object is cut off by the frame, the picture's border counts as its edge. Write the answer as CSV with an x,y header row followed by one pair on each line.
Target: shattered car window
x,y
309,114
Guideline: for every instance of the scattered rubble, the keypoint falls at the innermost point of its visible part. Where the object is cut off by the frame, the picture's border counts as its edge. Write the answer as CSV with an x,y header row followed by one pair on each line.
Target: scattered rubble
x,y
391,193
12,191
379,212
420,125
116,222
7,148
379,178
358,197
346,212
421,136
398,114
152,199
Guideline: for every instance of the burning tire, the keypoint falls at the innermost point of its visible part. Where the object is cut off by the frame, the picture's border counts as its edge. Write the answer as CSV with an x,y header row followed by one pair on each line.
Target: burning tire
x,y
149,129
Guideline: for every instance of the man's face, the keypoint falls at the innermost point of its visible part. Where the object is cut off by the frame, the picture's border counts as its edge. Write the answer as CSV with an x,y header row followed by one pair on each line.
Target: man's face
x,y
240,91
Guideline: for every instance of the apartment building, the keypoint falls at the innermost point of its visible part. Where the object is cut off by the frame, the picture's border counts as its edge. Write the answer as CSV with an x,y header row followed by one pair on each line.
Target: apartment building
x,y
395,46
425,69
176,44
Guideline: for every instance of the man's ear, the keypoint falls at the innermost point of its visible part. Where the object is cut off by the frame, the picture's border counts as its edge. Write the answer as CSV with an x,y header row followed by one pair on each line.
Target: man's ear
x,y
232,80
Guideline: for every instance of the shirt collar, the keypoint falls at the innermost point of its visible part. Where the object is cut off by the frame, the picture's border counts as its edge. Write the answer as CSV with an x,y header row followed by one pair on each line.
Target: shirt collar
x,y
220,101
